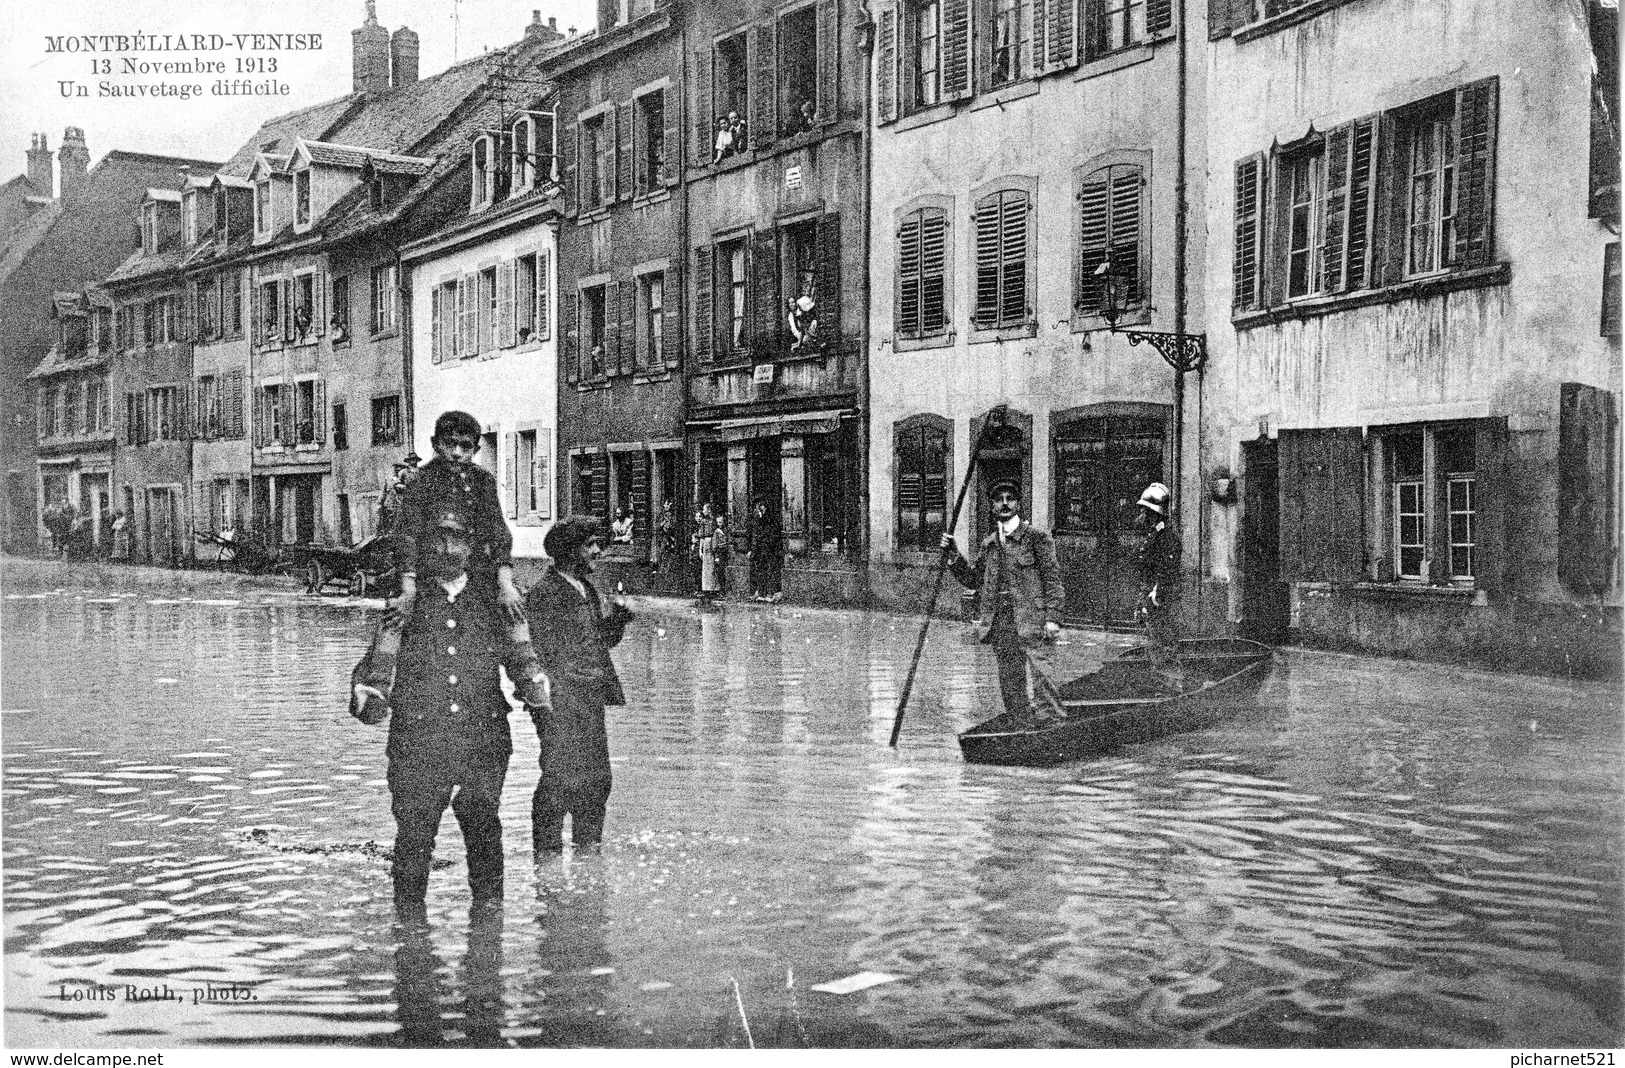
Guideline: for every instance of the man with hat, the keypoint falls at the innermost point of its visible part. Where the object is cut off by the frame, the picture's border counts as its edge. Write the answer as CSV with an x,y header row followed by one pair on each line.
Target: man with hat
x,y
575,631
389,506
1021,600
1157,563
448,736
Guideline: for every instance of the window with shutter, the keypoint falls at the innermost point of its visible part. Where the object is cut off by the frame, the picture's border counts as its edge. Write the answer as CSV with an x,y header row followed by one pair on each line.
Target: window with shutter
x,y
544,290
828,61
1110,207
506,312
1002,269
569,336
626,351
763,86
764,336
1112,25
704,305
922,448
956,49
1323,512
886,65
436,350
623,153
922,270
700,109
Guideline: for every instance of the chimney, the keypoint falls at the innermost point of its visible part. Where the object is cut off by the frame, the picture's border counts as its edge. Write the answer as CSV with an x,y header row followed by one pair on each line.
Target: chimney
x,y
73,159
538,32
39,164
369,55
403,58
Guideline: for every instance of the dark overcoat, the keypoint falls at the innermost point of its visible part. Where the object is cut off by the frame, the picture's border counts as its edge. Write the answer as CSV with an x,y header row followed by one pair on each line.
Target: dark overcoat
x,y
1034,577
573,637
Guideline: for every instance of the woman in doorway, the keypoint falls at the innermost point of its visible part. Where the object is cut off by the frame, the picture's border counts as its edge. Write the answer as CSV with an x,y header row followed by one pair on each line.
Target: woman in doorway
x,y
709,544
766,555
121,536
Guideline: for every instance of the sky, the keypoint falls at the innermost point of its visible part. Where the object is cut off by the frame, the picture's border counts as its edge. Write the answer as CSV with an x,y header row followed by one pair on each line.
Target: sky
x,y
212,127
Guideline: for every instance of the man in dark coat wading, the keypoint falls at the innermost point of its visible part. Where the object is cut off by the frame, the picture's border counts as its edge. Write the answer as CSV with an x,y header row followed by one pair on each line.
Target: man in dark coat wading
x,y
574,631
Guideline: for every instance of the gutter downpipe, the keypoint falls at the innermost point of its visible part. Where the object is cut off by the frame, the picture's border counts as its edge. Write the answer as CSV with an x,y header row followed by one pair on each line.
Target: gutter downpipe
x,y
1181,210
864,428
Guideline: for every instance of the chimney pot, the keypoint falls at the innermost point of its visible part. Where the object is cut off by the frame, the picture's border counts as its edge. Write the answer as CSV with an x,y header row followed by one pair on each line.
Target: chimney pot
x,y
39,163
403,57
369,55
73,159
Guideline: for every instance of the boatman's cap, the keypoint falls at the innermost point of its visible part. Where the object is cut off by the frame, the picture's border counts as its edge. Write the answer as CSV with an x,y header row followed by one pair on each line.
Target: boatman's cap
x,y
1005,485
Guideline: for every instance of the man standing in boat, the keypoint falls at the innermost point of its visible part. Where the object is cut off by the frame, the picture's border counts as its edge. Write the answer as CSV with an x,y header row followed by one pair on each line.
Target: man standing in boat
x,y
1021,601
1157,563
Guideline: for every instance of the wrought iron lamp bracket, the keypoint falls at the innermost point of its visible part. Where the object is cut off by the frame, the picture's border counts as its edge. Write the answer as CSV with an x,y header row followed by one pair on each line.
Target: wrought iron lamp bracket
x,y
1182,352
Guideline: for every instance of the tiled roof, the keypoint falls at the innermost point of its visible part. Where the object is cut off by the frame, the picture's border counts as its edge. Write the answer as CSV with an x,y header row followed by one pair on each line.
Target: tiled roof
x,y
140,264
401,119
168,195
281,132
55,363
26,237
353,156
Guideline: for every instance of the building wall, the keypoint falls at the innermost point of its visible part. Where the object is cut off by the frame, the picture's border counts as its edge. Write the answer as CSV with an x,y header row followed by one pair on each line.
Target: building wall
x,y
159,465
223,455
1498,349
1042,132
509,389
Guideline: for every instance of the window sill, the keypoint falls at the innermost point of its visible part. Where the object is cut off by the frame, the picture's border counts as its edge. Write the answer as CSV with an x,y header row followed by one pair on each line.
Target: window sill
x,y
1264,27
648,200
924,117
916,344
657,376
592,384
1130,56
597,214
1088,323
980,335
1497,274
1003,95
384,334
309,446
1415,591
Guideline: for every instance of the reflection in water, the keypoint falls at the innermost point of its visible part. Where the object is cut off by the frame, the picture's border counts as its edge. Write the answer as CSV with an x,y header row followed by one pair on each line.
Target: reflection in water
x,y
1380,853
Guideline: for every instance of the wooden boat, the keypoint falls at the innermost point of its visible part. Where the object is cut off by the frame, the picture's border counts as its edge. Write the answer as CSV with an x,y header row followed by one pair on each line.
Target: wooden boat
x,y
1125,702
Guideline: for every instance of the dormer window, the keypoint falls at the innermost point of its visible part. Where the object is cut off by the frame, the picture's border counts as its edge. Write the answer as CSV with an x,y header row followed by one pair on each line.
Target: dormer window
x,y
189,217
375,193
220,209
301,197
149,229
262,206
482,172
523,167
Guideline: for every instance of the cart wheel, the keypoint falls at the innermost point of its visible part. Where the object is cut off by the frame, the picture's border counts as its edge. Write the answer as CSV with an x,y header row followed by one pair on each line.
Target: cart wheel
x,y
315,577
358,583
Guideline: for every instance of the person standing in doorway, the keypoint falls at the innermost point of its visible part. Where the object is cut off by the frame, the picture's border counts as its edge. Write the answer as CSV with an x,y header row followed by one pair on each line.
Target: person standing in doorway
x,y
1157,563
709,542
575,630
766,554
1021,601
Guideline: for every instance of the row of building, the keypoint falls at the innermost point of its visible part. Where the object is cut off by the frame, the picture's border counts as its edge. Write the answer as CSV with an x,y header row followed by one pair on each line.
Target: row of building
x,y
1345,273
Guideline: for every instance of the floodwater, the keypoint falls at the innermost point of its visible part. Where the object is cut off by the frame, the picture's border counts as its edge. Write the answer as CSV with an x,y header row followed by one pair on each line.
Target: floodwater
x,y
1379,854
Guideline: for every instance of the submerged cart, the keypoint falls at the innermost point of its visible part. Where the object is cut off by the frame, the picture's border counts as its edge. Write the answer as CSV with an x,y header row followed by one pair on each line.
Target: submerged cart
x,y
367,568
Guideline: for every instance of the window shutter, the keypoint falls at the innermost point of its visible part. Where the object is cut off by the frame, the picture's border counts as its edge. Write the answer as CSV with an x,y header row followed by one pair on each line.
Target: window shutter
x,y
829,280
1014,304
285,302
542,473
1094,235
1128,185
981,45
1322,505
1334,205
671,146
505,317
886,82
629,325
1490,502
436,347
1061,33
956,49
704,305
671,332
187,329
640,147
764,86
569,336
763,298
1587,509
290,422
704,122
829,52
598,502
1273,212
623,152
907,311
986,224
933,271
1159,16
569,150
191,427
510,476
318,414
544,291
1362,199
1476,107
234,404
318,299
1245,265
612,329
482,313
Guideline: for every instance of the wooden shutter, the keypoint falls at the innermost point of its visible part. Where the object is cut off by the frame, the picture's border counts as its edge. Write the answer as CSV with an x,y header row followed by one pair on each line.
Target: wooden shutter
x,y
671,332
763,86
640,494
612,329
510,476
569,150
598,493
1476,108
1159,16
671,145
542,327
623,152
907,305
188,316
1490,503
1361,204
933,271
886,83
704,304
1334,205
1060,34
482,312
569,336
318,303
829,52
233,418
1322,505
605,193
1587,481
1094,237
704,122
318,410
436,349
763,302
290,414
505,305
986,225
1015,278
829,279
956,49
1246,265
629,325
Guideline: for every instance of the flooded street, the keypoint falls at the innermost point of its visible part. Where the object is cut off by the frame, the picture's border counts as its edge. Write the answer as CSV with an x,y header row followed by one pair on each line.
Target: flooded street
x,y
1380,853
